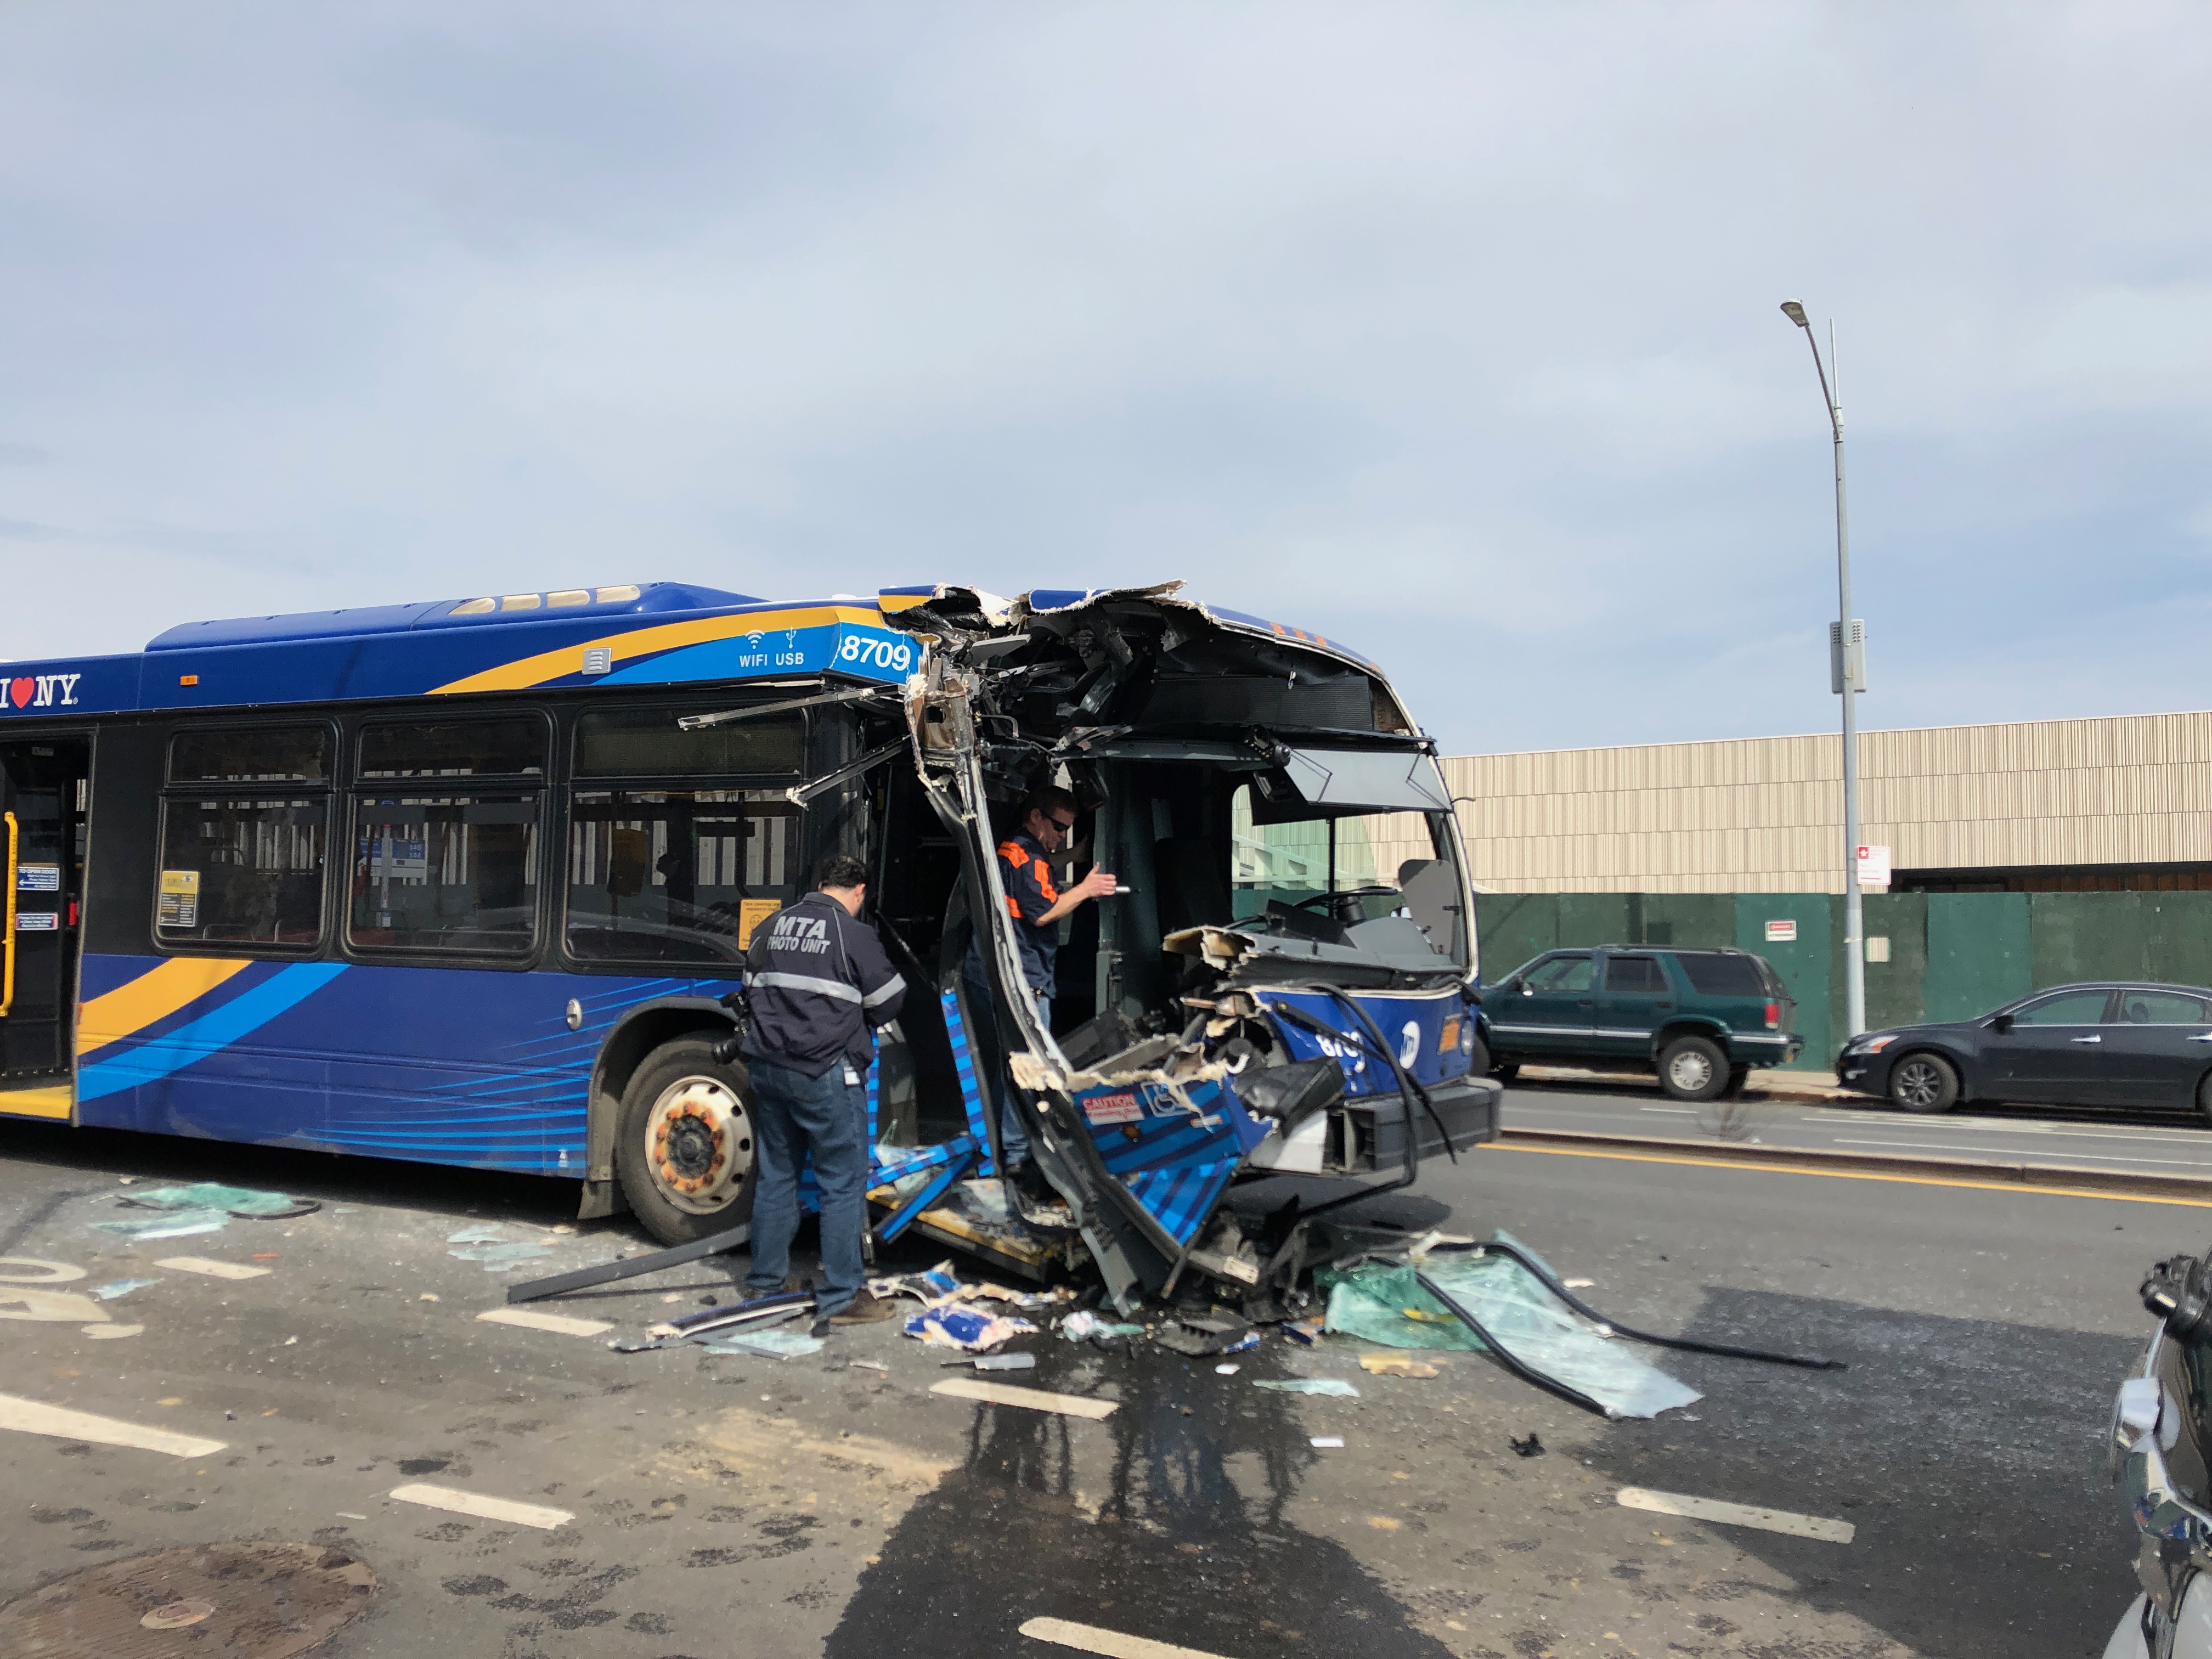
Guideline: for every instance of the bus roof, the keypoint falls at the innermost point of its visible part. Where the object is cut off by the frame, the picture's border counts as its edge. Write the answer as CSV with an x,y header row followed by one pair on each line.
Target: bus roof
x,y
633,634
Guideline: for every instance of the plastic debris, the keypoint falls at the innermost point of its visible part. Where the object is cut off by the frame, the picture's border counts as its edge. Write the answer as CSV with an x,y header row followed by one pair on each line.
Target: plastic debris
x,y
1517,1307
1325,1442
1396,1364
1328,1385
1307,1332
768,1344
1227,1371
494,1248
1007,1362
108,1333
1244,1344
116,1287
939,1283
1531,1447
971,1328
1083,1325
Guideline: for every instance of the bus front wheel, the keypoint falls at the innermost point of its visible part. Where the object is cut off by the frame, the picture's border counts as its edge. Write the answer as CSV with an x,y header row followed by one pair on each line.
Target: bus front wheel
x,y
684,1149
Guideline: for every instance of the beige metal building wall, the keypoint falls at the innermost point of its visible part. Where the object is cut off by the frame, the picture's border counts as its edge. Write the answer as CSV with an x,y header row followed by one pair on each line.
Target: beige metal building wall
x,y
1765,814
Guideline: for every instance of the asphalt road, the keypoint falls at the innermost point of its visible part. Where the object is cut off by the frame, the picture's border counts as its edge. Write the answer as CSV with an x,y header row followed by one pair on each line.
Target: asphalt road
x,y
728,1505
2142,1142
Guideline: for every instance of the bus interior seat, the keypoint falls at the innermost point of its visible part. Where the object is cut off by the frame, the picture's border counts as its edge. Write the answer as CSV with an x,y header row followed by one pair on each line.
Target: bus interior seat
x,y
1193,892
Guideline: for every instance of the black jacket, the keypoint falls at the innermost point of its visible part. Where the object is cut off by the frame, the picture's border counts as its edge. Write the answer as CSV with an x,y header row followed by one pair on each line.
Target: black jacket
x,y
818,981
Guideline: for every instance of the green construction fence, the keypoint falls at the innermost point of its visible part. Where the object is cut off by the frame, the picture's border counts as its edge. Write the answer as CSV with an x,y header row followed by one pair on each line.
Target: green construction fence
x,y
1950,956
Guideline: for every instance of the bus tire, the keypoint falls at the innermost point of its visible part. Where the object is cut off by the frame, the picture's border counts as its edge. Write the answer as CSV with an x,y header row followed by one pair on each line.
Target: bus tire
x,y
684,1146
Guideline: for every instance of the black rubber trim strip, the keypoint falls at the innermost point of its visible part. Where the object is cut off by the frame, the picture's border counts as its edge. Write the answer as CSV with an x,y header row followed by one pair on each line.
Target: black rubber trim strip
x,y
1685,1343
1511,1361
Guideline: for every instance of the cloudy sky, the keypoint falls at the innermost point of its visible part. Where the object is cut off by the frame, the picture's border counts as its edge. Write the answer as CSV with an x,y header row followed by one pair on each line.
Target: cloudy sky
x,y
1450,330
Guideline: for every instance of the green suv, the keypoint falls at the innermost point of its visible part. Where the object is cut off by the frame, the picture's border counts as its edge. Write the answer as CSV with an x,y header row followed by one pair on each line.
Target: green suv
x,y
1700,1019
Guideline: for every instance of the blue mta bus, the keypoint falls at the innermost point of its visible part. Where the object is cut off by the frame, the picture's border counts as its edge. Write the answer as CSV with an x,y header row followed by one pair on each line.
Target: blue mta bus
x,y
472,883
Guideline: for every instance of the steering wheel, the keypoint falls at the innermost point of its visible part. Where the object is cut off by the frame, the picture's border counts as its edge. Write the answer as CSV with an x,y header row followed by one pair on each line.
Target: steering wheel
x,y
1319,899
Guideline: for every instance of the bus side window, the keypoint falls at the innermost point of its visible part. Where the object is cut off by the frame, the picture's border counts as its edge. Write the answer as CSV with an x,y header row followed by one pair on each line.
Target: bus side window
x,y
445,823
670,857
245,829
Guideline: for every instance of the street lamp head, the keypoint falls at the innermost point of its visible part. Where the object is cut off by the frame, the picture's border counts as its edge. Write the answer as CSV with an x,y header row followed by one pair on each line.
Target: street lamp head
x,y
1794,313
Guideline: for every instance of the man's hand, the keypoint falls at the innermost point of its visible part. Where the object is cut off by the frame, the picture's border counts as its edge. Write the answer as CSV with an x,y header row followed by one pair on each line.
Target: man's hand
x,y
1098,885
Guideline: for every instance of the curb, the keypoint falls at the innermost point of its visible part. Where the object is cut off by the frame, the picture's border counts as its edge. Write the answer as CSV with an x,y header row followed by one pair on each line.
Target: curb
x,y
1816,1159
1761,1085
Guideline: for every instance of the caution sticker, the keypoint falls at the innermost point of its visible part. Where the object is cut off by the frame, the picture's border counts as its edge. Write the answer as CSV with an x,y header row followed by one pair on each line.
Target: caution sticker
x,y
1112,1108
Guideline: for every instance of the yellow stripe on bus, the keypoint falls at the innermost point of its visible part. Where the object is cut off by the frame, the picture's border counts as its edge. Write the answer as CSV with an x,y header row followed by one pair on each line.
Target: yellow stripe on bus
x,y
54,1101
153,995
569,660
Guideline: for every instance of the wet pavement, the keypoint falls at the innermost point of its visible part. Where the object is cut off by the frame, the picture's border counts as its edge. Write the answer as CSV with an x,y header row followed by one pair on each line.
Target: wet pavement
x,y
726,1504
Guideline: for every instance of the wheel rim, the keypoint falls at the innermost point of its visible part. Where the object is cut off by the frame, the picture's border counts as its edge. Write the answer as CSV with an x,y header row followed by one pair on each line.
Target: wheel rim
x,y
1918,1083
1690,1070
699,1144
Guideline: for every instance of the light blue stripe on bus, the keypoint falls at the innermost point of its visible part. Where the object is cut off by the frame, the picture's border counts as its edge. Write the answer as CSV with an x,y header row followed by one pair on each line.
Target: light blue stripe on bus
x,y
244,1012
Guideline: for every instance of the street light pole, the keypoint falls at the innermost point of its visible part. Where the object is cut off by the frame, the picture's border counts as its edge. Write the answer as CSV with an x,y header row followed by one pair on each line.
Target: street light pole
x,y
1847,653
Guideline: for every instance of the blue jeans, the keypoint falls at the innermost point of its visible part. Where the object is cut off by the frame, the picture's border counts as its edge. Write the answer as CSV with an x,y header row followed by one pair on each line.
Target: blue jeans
x,y
827,1116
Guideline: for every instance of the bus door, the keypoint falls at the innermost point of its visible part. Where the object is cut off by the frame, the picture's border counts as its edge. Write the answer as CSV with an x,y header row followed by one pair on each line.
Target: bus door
x,y
44,786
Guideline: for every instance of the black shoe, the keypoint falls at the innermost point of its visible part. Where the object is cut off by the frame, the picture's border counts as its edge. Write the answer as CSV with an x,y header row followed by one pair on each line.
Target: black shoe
x,y
822,1328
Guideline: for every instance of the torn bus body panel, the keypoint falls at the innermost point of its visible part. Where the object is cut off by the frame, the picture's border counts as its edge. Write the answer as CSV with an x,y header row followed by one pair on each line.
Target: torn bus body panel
x,y
1282,985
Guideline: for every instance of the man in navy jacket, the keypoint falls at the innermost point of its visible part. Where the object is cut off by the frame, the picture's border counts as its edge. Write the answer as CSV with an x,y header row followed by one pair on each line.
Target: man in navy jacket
x,y
820,984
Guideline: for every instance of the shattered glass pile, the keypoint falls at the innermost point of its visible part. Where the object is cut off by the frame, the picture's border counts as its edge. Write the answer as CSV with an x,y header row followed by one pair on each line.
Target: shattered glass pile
x,y
1386,1303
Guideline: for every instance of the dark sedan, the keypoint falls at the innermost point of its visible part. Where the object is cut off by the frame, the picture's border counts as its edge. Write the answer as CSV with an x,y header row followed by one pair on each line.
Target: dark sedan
x,y
2112,1044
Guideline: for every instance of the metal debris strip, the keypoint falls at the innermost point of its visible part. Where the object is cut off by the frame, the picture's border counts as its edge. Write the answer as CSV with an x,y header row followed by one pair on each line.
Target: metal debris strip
x,y
1335,1386
608,1273
262,1600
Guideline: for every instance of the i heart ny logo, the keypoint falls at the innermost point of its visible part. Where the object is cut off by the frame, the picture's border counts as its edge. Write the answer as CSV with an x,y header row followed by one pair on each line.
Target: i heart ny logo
x,y
19,691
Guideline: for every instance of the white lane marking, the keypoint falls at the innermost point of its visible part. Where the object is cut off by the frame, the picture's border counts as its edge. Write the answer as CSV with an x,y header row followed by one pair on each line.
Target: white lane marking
x,y
484,1509
200,1264
1691,1111
58,1307
36,1417
1947,1146
530,1320
1088,1638
55,1273
1036,1400
1735,1514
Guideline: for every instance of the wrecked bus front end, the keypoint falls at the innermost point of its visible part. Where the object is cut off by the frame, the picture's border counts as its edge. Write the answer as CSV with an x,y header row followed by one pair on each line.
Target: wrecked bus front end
x,y
1285,984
